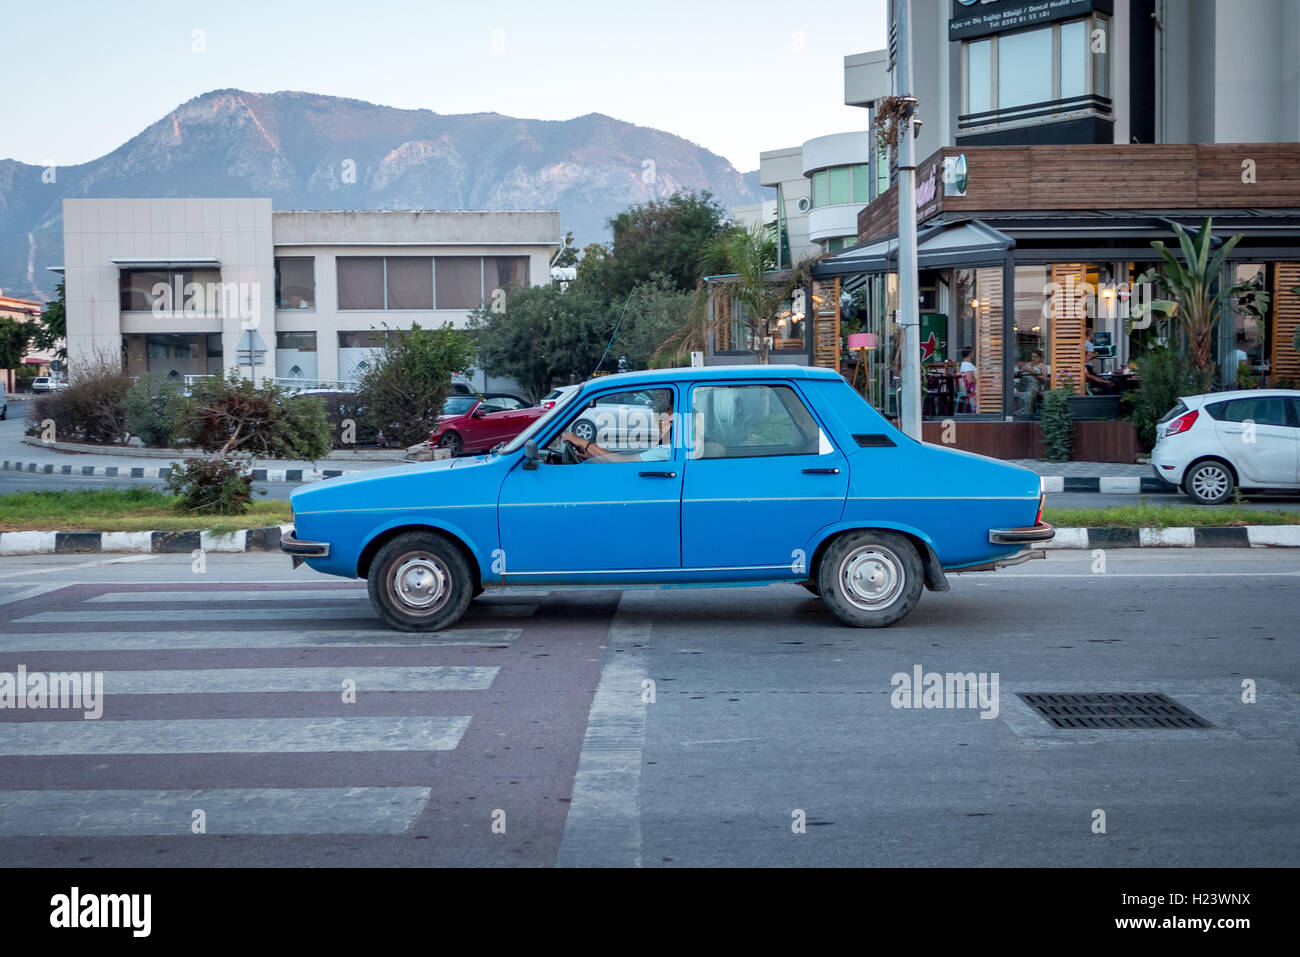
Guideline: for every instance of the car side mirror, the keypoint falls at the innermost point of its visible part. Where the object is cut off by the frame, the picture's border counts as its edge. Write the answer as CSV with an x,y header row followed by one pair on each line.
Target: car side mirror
x,y
530,454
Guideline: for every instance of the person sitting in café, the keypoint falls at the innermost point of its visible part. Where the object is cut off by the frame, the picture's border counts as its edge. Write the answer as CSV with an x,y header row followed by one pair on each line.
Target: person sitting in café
x,y
1096,384
1033,378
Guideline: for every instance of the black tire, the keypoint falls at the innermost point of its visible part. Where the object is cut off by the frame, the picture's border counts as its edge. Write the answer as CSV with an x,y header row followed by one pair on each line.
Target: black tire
x,y
1209,482
452,442
584,429
887,571
430,572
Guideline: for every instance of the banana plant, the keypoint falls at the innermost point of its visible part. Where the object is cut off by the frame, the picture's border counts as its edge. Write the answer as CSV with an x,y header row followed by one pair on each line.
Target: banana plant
x,y
1190,283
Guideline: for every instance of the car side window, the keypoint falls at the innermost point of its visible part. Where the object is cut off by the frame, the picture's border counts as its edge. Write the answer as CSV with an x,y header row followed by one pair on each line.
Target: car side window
x,y
1264,410
631,424
745,421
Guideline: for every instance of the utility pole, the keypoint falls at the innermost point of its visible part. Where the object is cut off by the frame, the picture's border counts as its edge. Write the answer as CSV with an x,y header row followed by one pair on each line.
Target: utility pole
x,y
909,318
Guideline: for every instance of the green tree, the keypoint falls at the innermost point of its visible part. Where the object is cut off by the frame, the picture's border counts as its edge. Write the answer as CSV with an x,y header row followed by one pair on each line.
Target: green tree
x,y
544,334
403,391
1197,300
14,337
568,253
228,414
53,327
662,237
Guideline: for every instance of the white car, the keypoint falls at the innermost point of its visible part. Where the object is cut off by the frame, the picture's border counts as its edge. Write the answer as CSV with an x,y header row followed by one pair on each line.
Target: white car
x,y
1210,444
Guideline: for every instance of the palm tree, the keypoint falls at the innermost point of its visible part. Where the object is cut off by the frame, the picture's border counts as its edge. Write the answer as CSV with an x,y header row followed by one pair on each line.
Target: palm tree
x,y
1191,285
740,265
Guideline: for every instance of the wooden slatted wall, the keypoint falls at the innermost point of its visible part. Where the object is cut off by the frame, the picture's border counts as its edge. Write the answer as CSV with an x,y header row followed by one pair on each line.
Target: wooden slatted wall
x,y
720,306
988,340
1068,321
1285,361
826,324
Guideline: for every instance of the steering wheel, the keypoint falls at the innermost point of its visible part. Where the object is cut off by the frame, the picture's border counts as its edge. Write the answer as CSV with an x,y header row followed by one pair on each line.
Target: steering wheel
x,y
569,454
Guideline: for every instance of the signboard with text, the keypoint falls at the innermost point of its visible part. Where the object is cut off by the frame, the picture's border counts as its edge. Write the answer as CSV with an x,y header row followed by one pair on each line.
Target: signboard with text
x,y
978,18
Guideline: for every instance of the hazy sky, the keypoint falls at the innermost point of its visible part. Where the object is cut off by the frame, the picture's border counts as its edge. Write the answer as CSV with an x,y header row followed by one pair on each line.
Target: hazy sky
x,y
80,78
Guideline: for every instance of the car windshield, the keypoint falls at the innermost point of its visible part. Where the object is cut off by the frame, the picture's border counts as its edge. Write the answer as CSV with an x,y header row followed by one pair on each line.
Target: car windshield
x,y
458,404
561,404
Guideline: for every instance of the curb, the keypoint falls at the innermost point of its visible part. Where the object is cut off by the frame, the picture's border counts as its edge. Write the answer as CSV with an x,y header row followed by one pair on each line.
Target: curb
x,y
267,539
1227,536
143,452
264,539
1108,484
138,472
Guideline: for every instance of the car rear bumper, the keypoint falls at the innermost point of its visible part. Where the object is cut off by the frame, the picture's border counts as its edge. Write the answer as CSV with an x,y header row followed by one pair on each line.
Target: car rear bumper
x,y
301,550
1042,532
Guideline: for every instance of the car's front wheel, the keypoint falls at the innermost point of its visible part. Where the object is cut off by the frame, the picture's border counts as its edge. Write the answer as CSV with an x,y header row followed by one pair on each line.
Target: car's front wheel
x,y
452,443
420,582
1209,483
870,579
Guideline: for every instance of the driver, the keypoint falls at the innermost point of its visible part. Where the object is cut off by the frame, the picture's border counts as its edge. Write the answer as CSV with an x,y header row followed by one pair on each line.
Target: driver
x,y
591,452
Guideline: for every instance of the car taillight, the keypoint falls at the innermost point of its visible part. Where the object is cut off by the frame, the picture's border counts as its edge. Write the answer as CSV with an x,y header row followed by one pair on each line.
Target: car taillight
x,y
1181,424
1038,519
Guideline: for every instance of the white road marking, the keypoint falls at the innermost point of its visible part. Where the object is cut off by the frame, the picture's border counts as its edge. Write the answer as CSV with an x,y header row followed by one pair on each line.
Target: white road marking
x,y
138,813
219,680
232,735
186,640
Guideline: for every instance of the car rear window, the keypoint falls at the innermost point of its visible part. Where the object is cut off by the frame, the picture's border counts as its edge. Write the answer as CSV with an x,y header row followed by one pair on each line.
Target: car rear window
x,y
1173,413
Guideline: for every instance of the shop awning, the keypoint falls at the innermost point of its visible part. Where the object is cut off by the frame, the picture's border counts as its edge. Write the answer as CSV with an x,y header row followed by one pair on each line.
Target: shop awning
x,y
966,242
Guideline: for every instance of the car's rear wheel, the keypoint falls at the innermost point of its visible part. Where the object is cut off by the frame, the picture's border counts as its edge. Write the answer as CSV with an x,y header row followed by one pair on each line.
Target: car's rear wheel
x,y
420,582
585,430
452,443
1209,483
870,579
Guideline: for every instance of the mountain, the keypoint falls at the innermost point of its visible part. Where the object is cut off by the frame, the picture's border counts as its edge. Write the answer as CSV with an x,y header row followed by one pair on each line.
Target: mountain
x,y
307,151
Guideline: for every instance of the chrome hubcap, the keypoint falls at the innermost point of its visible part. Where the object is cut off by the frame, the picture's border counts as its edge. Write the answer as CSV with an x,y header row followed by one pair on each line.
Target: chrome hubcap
x,y
1210,482
871,577
420,583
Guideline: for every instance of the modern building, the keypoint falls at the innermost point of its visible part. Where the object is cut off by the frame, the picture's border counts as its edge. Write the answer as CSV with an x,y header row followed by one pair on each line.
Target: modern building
x,y
196,286
1059,140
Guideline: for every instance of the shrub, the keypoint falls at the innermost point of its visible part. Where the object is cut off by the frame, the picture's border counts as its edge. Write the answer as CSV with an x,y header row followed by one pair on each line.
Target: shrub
x,y
213,486
1057,425
1165,375
91,409
149,410
340,407
403,391
227,413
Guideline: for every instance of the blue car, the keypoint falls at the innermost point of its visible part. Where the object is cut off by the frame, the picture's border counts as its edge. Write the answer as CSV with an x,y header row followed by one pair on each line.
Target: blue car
x,y
743,474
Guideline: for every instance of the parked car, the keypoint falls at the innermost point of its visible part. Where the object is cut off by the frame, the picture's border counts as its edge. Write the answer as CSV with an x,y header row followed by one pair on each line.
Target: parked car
x,y
1209,445
471,423
555,395
4,403
761,474
622,420
46,383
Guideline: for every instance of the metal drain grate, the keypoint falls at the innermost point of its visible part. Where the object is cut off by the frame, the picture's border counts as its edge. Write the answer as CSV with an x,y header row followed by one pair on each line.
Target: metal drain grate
x,y
1113,710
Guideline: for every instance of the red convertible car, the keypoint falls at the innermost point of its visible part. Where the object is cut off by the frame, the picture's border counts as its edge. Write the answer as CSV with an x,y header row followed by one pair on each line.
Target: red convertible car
x,y
473,423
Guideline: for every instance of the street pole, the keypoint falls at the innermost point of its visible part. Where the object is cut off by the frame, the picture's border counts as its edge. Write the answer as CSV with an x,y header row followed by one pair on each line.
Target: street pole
x,y
908,285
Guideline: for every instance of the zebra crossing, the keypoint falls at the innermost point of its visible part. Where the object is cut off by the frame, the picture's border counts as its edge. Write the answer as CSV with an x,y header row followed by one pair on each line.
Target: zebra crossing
x,y
212,682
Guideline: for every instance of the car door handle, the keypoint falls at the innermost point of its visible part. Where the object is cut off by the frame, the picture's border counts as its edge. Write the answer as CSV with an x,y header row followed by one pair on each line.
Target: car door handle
x,y
657,474
821,471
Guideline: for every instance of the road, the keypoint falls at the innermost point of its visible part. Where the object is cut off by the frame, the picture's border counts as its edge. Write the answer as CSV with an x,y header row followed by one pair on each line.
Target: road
x,y
533,714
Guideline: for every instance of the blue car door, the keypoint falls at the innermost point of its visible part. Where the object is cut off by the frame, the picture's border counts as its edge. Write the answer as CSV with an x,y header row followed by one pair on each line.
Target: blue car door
x,y
761,477
618,513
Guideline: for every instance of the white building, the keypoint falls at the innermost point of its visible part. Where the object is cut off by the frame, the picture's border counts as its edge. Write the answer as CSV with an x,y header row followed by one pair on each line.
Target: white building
x,y
820,187
186,286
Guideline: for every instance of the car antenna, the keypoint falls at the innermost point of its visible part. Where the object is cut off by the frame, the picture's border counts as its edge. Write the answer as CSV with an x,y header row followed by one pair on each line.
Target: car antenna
x,y
614,333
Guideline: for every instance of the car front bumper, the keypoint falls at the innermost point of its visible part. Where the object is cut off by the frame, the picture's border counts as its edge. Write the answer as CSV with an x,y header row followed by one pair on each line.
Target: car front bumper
x,y
300,550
